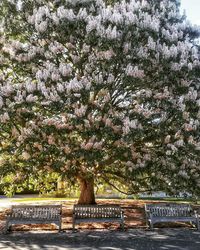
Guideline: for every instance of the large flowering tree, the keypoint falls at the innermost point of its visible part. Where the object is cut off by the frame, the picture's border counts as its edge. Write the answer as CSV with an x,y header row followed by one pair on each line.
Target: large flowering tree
x,y
100,90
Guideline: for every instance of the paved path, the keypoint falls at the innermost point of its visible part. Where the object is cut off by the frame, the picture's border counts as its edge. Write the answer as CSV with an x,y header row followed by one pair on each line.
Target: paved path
x,y
133,239
4,202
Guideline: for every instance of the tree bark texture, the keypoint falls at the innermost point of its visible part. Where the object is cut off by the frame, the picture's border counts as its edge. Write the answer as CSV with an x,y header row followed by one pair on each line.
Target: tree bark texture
x,y
87,191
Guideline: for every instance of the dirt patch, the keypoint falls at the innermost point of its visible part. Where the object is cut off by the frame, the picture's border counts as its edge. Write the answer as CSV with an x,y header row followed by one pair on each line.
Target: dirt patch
x,y
133,211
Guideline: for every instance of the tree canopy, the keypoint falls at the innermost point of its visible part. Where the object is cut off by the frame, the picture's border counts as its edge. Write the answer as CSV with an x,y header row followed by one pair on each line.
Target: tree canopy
x,y
100,90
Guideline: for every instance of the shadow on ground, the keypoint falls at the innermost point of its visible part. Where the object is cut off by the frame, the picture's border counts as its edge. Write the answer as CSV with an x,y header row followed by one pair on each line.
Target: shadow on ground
x,y
132,239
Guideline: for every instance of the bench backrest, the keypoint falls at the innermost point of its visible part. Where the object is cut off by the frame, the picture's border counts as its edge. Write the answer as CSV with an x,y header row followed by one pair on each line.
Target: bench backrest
x,y
97,211
47,212
169,210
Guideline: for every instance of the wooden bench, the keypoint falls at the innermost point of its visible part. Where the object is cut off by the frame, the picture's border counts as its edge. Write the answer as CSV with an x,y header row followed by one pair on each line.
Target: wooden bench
x,y
45,214
156,213
98,213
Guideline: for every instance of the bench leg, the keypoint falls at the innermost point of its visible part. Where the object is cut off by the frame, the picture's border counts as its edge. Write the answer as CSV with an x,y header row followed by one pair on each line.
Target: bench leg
x,y
73,228
60,227
197,223
150,224
7,228
122,225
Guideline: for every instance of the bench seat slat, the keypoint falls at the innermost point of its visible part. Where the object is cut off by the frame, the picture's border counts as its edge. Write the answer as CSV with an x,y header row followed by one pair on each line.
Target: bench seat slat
x,y
171,219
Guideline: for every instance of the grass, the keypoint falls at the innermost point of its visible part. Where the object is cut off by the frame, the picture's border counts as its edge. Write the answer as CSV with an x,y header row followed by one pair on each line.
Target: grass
x,y
41,199
172,199
166,199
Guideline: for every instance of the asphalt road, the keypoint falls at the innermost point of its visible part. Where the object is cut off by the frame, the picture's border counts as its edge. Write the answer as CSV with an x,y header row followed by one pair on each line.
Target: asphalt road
x,y
133,239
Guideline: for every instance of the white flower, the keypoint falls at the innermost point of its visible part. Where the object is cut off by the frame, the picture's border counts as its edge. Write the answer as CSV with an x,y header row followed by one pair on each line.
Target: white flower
x,y
191,139
151,43
60,88
188,127
61,12
75,59
31,98
31,19
26,155
86,48
42,27
134,71
4,118
133,124
98,145
87,146
167,139
74,85
111,78
39,75
15,132
1,102
179,143
198,146
80,111
67,149
92,24
108,122
168,152
30,87
183,173
190,66
55,76
112,34
7,89
130,165
55,18
127,47
51,140
65,69
174,149
82,14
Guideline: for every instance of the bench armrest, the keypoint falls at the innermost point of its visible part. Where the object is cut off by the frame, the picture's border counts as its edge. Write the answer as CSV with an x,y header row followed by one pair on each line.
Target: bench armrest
x,y
8,214
196,214
148,213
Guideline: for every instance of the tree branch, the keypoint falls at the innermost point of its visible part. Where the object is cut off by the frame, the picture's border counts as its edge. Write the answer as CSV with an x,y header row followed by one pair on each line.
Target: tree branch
x,y
126,193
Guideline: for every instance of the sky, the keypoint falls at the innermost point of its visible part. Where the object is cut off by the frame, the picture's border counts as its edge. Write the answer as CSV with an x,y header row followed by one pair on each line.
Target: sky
x,y
192,8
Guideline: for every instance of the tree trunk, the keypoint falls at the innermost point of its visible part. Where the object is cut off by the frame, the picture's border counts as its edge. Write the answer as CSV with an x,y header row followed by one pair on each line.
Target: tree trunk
x,y
87,191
